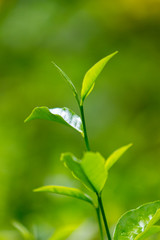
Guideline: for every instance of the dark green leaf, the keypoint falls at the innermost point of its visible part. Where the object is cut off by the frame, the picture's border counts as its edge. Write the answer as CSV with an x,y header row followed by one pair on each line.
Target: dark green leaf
x,y
61,115
66,191
134,224
91,76
74,165
116,155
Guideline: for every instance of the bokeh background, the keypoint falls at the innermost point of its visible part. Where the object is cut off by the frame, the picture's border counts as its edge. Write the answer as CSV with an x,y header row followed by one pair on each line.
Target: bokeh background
x,y
124,107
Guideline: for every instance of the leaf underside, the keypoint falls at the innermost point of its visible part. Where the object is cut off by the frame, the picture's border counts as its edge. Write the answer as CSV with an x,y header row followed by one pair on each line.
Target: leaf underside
x,y
60,115
138,223
91,76
66,191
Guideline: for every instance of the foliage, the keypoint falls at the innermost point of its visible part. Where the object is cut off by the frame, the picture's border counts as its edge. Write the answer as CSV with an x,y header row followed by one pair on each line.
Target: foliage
x,y
138,223
92,169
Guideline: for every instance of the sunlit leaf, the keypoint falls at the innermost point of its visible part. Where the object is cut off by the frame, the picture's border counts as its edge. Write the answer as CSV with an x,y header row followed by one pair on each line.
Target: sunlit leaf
x,y
63,233
61,115
74,165
23,230
92,74
152,230
93,165
116,155
134,224
68,80
66,191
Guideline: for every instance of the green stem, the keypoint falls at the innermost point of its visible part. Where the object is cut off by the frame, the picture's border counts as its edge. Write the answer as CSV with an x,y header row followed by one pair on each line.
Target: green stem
x,y
104,216
99,222
88,149
100,204
84,128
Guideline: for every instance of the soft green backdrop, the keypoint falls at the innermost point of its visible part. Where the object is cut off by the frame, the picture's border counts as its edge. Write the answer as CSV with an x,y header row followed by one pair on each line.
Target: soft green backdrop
x,y
124,107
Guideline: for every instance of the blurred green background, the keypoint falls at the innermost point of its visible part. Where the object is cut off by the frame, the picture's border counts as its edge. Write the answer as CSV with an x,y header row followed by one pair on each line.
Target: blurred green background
x,y
124,107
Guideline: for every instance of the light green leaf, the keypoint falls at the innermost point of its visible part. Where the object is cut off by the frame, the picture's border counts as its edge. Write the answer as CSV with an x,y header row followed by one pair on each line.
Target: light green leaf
x,y
68,80
149,232
23,230
91,75
116,155
135,223
93,165
61,115
63,233
74,165
66,191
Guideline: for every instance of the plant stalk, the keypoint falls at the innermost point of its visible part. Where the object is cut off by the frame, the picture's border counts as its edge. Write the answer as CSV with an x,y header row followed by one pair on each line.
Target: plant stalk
x,y
99,222
104,216
88,149
100,204
84,128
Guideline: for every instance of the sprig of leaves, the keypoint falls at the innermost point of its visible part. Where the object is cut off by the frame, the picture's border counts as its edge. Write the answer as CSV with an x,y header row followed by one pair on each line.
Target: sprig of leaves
x,y
91,170
65,115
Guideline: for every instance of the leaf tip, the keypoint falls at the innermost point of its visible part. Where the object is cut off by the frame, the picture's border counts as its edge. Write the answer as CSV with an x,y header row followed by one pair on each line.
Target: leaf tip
x,y
37,190
27,119
54,63
129,145
116,52
113,54
62,157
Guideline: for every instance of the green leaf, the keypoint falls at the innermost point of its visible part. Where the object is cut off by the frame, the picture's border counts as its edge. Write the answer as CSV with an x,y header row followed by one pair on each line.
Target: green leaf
x,y
134,224
74,165
23,230
91,75
61,115
63,233
68,80
116,155
93,165
149,232
66,191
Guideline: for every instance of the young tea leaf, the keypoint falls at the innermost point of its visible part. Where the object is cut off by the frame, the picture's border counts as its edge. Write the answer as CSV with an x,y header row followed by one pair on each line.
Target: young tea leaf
x,y
138,222
116,155
68,80
66,191
61,115
91,75
74,165
93,165
23,230
149,232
